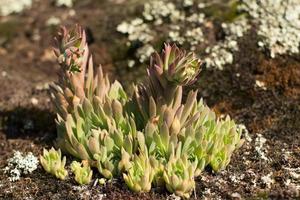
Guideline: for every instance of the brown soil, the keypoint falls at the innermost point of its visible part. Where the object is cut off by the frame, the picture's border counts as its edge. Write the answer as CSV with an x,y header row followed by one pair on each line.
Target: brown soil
x,y
27,64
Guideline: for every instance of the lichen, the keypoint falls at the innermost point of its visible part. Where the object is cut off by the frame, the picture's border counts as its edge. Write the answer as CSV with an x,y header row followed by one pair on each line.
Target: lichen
x,y
19,164
67,3
183,24
278,24
8,7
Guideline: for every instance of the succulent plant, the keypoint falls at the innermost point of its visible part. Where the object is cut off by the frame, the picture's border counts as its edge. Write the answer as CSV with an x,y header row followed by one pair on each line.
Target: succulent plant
x,y
166,76
124,163
167,123
89,107
211,140
225,141
102,181
82,171
175,66
53,164
139,172
154,137
179,173
84,132
140,175
77,80
107,161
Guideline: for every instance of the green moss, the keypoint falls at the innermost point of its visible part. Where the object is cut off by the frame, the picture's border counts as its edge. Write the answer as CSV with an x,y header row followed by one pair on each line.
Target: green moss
x,y
226,12
8,30
262,196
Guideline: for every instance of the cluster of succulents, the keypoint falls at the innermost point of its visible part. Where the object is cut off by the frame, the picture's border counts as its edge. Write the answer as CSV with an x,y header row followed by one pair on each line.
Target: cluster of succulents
x,y
53,164
154,137
83,172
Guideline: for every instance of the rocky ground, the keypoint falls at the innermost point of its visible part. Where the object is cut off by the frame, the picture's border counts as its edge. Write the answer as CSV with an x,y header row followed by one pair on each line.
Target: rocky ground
x,y
256,87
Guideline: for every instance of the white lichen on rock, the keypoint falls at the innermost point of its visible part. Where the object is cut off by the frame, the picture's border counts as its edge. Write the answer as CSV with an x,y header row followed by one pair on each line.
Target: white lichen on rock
x,y
67,3
236,29
218,56
222,53
179,26
253,177
196,18
131,63
293,172
188,3
157,9
19,164
259,147
182,23
173,197
145,52
245,132
268,180
137,30
85,193
278,24
260,84
53,21
8,7
174,35
236,178
194,37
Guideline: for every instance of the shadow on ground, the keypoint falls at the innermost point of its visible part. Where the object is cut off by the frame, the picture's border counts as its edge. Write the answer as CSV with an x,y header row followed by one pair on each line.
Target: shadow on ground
x,y
28,123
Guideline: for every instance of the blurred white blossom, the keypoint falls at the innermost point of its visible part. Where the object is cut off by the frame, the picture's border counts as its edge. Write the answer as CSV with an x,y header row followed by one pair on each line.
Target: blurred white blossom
x,y
8,7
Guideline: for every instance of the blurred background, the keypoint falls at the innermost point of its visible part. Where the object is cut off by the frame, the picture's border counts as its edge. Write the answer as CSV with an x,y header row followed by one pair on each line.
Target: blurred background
x,y
27,30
